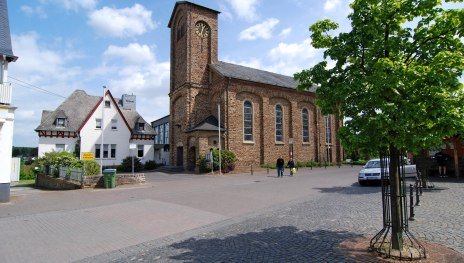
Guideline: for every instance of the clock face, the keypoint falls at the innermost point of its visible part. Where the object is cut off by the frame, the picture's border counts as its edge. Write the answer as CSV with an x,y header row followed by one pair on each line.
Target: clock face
x,y
202,29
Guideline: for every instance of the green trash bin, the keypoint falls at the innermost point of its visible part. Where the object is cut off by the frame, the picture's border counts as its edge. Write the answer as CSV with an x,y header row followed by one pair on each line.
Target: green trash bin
x,y
109,178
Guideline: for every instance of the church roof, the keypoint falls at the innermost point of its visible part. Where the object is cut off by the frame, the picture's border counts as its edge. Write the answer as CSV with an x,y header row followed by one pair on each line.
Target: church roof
x,y
208,124
5,37
234,71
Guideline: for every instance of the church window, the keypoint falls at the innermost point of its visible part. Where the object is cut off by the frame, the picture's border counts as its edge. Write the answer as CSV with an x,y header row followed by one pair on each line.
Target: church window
x,y
328,138
279,127
247,121
305,120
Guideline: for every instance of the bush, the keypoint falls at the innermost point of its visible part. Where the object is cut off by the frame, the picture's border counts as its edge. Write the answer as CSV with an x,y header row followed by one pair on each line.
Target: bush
x,y
91,168
150,165
126,164
228,161
57,159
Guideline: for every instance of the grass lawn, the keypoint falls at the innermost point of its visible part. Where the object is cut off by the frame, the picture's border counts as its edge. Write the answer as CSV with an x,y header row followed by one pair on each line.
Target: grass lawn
x,y
24,182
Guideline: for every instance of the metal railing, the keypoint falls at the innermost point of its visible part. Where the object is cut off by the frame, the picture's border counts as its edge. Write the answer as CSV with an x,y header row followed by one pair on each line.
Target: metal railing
x,y
5,93
71,174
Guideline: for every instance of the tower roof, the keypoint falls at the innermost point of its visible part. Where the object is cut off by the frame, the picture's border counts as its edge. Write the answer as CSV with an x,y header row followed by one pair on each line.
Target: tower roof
x,y
191,4
5,37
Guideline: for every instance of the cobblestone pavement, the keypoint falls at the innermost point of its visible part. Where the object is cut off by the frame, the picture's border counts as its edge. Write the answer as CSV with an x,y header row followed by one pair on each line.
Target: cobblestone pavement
x,y
304,230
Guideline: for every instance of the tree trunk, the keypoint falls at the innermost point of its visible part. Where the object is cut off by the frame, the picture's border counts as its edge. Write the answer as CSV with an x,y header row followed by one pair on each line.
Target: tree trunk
x,y
395,200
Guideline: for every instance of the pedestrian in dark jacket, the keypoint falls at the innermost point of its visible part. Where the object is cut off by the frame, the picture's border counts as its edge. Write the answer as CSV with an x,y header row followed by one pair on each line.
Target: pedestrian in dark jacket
x,y
280,167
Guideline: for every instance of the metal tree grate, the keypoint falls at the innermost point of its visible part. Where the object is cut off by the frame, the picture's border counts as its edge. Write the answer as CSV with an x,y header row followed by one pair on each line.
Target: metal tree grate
x,y
411,248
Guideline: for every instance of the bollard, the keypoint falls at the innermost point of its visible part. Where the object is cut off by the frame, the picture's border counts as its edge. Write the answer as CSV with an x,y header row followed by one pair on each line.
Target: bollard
x,y
417,195
325,165
251,169
268,170
411,203
311,167
420,187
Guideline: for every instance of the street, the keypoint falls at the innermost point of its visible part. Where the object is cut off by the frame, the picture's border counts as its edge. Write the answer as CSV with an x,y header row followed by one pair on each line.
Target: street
x,y
210,218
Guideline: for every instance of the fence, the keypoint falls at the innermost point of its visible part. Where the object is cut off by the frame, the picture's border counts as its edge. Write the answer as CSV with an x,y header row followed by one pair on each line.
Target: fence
x,y
71,174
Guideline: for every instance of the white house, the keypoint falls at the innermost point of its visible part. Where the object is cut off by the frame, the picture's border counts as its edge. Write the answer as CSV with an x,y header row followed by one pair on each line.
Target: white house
x,y
7,111
110,128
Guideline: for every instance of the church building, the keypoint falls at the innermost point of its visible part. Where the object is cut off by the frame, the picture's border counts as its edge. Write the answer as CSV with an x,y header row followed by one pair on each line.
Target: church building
x,y
260,115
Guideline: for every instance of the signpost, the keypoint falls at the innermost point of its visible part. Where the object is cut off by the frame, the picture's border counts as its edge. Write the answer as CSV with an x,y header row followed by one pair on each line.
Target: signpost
x,y
132,148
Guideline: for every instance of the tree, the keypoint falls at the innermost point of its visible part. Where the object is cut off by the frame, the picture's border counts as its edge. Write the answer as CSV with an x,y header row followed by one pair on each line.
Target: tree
x,y
395,79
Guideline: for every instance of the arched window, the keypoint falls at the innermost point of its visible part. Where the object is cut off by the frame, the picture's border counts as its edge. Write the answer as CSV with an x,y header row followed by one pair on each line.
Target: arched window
x,y
247,121
328,138
305,121
279,127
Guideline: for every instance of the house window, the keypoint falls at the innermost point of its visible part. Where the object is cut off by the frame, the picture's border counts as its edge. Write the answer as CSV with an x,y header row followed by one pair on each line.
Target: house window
x,y
247,121
141,126
140,151
166,133
305,120
114,124
60,147
98,123
107,104
279,129
60,122
113,150
105,150
97,150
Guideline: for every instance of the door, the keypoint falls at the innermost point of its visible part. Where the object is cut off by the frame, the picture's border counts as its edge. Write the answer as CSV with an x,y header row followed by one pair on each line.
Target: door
x,y
180,156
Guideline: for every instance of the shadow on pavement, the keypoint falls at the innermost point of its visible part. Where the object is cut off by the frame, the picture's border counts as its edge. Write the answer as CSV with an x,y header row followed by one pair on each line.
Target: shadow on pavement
x,y
277,244
354,189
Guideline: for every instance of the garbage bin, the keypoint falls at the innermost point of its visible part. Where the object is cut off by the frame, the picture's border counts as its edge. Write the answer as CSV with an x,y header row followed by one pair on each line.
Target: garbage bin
x,y
109,178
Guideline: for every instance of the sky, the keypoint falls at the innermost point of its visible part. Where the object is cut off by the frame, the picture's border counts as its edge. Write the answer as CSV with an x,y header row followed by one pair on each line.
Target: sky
x,y
64,45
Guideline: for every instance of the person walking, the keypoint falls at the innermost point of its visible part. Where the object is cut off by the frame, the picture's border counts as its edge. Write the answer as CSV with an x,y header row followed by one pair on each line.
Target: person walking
x,y
291,165
280,167
441,157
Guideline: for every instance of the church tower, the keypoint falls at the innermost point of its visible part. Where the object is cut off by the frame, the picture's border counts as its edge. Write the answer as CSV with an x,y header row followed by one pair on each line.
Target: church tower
x,y
194,45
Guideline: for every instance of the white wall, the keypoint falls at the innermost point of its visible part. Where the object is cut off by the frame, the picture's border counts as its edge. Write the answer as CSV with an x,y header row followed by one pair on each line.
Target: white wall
x,y
91,135
6,142
48,144
148,149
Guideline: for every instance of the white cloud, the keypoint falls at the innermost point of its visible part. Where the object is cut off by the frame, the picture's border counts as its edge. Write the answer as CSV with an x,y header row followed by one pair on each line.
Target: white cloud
x,y
126,22
262,30
245,9
286,32
77,4
30,10
134,53
331,5
290,58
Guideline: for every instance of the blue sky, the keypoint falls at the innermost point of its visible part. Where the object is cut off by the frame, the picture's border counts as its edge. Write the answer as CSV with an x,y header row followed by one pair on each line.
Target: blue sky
x,y
64,45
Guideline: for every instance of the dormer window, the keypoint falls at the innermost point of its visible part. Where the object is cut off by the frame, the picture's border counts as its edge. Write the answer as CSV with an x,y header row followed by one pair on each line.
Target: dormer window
x,y
60,122
107,104
141,126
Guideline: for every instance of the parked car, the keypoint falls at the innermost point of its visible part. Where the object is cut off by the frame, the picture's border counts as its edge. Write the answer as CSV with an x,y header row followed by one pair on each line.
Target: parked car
x,y
371,172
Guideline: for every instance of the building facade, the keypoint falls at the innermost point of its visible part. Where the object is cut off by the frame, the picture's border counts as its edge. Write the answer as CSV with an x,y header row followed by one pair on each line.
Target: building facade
x,y
108,127
161,128
7,110
259,115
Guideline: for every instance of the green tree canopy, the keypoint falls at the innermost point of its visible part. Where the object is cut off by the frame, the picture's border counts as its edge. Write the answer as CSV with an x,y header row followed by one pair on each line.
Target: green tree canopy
x,y
395,79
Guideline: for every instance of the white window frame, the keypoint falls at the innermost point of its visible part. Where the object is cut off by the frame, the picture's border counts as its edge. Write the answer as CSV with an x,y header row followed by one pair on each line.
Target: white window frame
x,y
251,120
281,140
140,147
60,147
114,124
97,121
107,104
60,122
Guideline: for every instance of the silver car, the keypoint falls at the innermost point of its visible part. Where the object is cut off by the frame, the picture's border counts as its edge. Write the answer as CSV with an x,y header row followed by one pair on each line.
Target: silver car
x,y
371,172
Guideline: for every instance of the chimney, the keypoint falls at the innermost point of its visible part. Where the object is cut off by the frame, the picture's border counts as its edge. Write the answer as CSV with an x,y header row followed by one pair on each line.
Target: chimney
x,y
128,102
